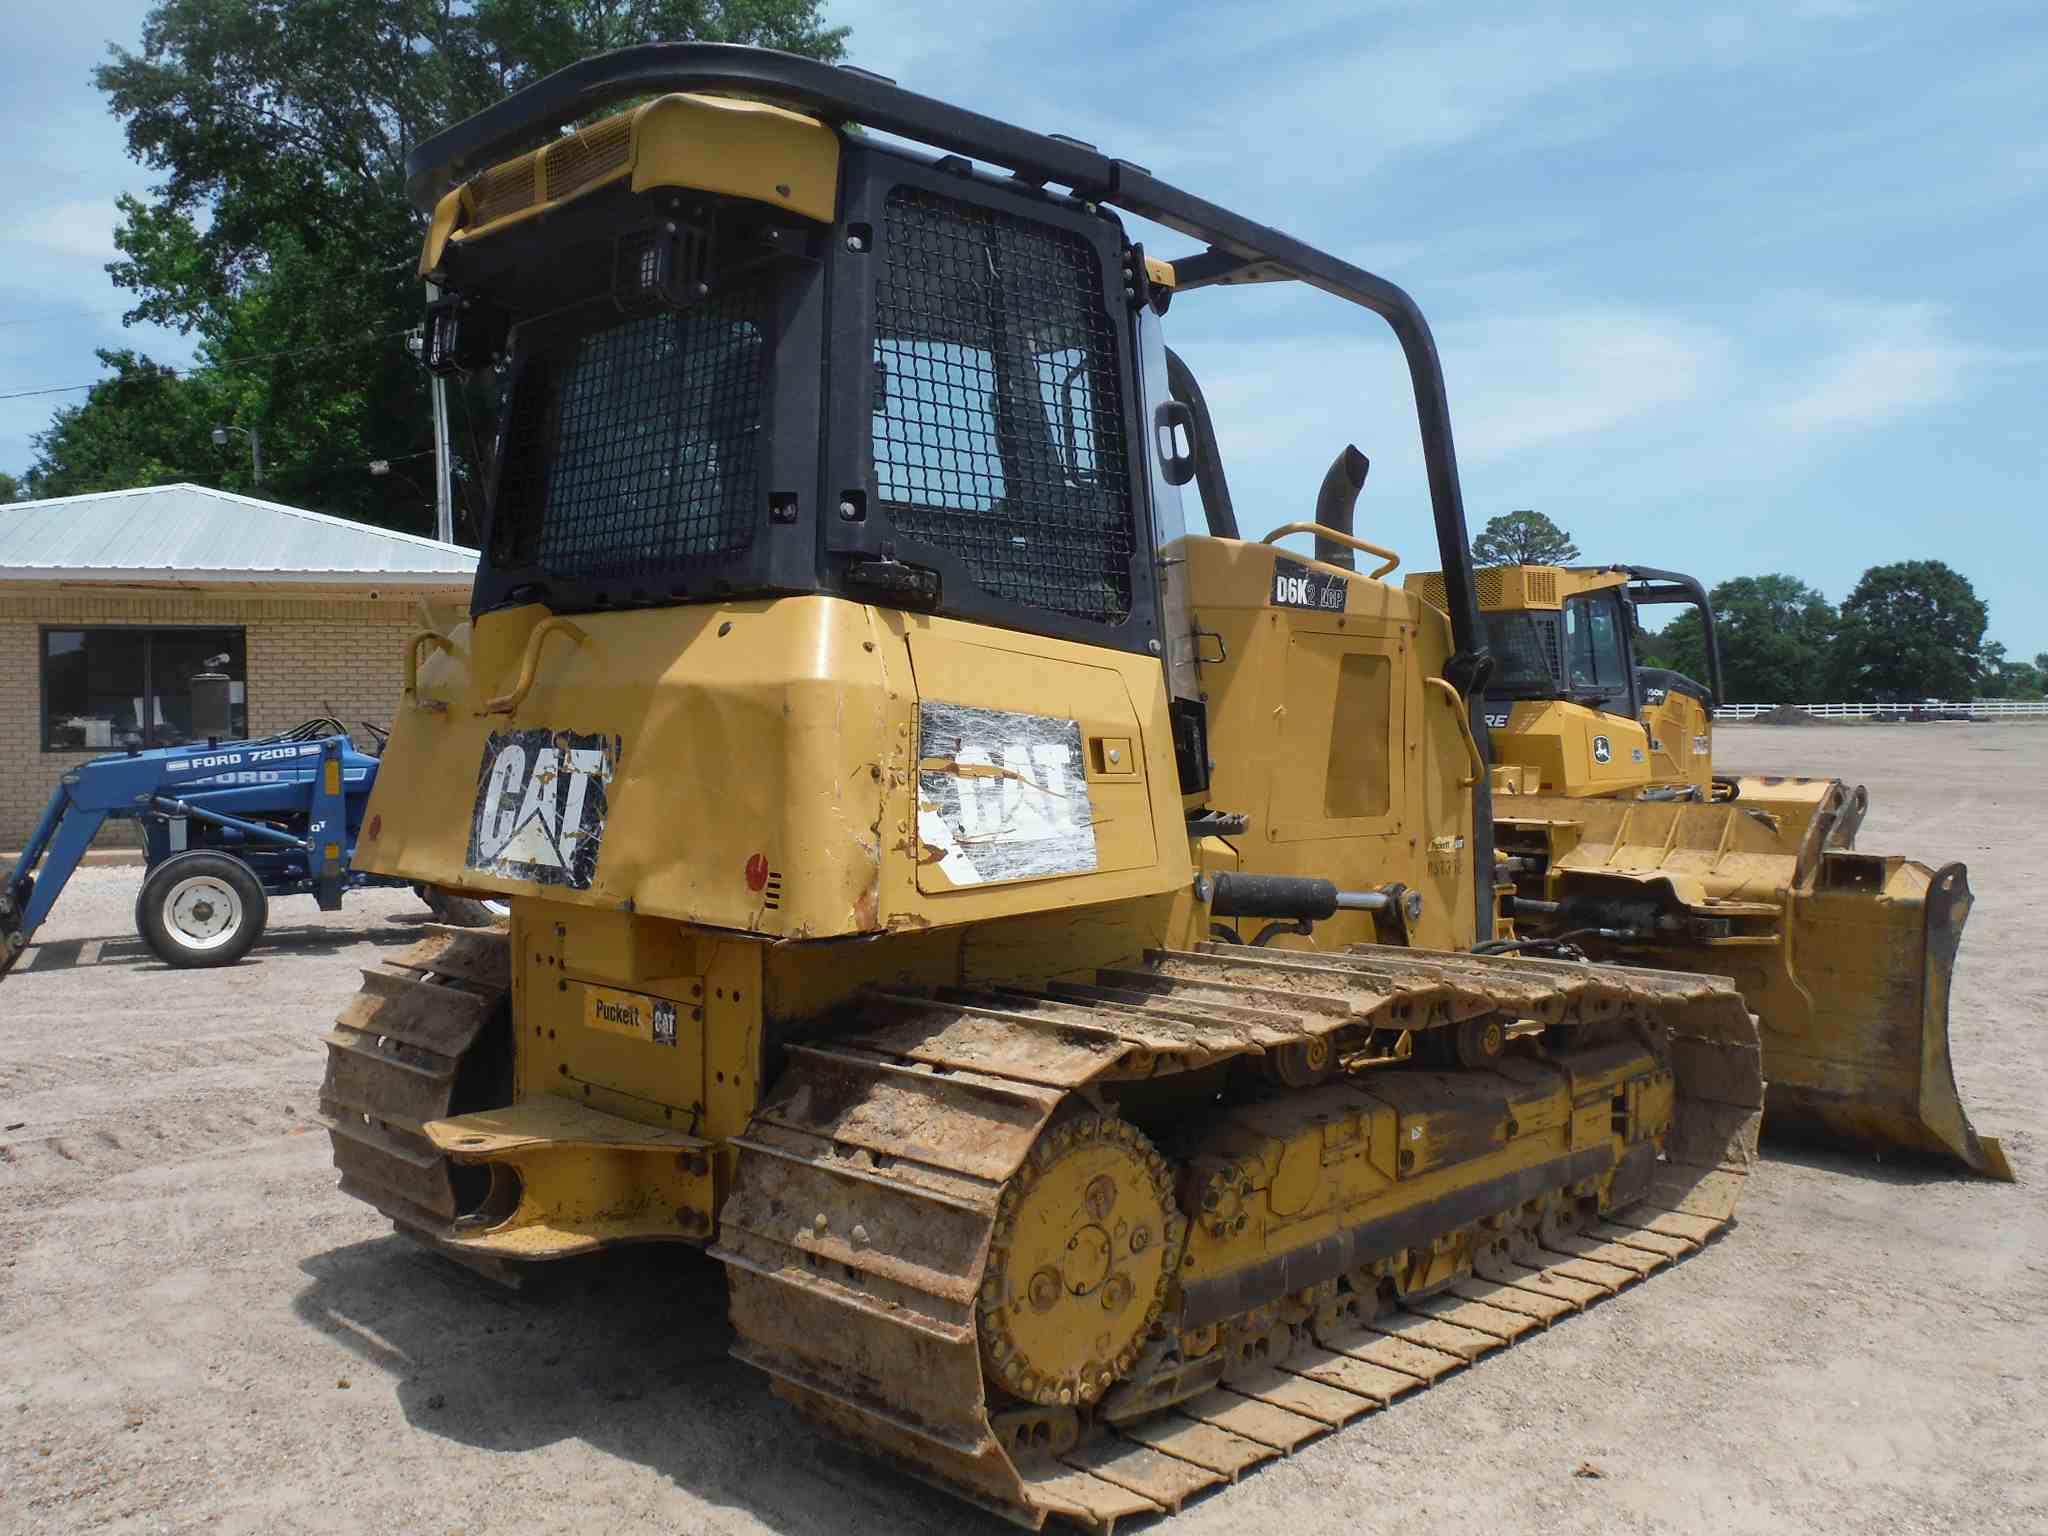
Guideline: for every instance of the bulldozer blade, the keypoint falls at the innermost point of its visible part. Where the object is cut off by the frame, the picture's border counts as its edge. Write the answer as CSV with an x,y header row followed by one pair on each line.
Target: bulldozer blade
x,y
1863,1058
1845,957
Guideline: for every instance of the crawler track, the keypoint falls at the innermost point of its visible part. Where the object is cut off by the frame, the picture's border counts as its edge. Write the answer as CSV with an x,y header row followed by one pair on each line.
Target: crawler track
x,y
871,1187
872,1182
402,1053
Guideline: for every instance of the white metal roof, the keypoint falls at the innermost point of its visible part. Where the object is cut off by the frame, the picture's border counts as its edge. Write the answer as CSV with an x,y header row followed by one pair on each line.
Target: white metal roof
x,y
193,533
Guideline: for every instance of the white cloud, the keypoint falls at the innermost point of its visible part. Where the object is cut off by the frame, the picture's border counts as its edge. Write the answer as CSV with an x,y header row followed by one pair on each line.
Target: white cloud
x,y
75,230
1628,408
1875,365
1527,380
1902,365
1516,383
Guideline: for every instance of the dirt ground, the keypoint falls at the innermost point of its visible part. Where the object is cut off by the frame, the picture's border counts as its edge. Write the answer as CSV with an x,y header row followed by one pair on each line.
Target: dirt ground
x,y
197,1332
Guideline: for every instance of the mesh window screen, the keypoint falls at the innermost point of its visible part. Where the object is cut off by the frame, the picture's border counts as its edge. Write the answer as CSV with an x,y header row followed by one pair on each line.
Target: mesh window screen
x,y
1525,650
632,451
999,428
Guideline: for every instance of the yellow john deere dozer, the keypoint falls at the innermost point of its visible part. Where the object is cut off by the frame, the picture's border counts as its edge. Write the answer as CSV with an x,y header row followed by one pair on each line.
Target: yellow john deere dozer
x,y
1620,835
891,794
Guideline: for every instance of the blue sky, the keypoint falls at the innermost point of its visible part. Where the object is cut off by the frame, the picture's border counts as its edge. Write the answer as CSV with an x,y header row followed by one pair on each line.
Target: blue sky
x,y
1729,288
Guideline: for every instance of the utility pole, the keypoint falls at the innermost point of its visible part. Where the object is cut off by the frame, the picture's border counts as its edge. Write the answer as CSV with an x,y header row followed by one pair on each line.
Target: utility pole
x,y
444,470
220,440
444,505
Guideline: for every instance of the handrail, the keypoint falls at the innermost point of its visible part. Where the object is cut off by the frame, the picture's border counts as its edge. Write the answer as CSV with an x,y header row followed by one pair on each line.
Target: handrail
x,y
529,668
1285,529
413,646
1464,715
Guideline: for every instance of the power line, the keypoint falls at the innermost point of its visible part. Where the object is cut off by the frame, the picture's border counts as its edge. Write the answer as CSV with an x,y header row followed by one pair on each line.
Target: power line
x,y
224,365
380,458
47,315
286,469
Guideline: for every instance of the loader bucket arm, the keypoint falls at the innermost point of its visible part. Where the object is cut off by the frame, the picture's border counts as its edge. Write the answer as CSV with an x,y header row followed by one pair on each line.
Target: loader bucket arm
x,y
39,876
1240,250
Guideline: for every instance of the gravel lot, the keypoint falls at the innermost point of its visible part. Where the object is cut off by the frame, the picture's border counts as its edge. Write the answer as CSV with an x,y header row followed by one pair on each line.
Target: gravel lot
x,y
200,1334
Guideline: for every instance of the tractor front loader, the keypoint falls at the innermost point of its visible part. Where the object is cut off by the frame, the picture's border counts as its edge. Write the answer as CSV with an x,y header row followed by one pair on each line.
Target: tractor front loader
x,y
901,811
1621,838
226,825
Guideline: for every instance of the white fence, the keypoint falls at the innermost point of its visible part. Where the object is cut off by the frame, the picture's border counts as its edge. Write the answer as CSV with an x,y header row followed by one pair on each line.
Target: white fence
x,y
1974,709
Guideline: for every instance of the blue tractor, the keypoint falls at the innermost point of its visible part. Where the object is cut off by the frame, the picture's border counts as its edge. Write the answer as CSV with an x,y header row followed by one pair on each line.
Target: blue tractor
x,y
226,826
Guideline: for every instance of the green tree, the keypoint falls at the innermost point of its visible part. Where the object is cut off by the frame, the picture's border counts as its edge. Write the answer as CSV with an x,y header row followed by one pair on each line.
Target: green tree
x,y
1912,630
2014,680
1774,633
11,489
2002,679
280,233
144,425
1523,538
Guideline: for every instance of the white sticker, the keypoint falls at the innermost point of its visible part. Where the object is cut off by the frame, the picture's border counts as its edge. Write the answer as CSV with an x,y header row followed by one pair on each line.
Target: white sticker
x,y
1001,795
1603,751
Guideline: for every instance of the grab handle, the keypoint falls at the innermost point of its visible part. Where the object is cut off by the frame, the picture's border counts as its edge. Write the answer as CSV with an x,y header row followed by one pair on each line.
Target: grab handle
x,y
1464,729
413,647
505,703
1353,540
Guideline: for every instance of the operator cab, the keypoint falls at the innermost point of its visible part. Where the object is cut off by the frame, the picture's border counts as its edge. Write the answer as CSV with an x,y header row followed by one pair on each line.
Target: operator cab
x,y
1579,651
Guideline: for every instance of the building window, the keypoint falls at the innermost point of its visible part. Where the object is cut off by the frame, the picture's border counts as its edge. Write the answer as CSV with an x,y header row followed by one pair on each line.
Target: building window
x,y
104,689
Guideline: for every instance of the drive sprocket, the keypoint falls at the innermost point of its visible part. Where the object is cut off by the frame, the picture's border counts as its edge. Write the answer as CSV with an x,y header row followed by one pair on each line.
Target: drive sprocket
x,y
1086,1241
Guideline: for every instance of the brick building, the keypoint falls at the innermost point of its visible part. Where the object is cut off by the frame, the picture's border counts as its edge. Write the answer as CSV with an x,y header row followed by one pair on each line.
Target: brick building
x,y
110,602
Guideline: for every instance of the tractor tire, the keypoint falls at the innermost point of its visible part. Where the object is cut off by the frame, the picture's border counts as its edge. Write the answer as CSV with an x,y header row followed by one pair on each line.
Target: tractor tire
x,y
201,909
464,911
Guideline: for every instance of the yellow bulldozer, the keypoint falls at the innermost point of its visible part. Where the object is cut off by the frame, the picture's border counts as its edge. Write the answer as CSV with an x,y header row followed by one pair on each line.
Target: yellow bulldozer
x,y
1620,837
907,784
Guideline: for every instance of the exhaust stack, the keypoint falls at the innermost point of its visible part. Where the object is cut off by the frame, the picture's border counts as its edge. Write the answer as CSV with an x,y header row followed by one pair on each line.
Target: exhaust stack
x,y
1337,504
